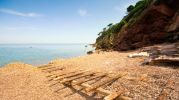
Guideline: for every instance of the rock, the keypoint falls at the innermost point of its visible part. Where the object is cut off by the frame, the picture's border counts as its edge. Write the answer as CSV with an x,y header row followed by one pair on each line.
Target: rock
x,y
174,26
90,52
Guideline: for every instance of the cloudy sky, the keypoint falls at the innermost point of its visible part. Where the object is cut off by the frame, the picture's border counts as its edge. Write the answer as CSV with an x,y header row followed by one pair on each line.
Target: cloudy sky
x,y
57,21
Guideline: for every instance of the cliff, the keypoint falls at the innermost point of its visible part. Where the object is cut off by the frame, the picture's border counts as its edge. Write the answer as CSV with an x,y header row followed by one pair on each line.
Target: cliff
x,y
148,22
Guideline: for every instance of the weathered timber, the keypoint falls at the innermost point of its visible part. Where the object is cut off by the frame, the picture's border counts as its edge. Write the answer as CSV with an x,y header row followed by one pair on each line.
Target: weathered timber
x,y
166,59
43,66
55,70
86,80
99,90
51,67
69,75
141,54
104,82
61,74
77,77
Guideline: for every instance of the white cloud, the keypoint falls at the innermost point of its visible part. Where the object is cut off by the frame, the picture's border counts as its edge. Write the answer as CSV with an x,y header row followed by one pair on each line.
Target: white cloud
x,y
17,13
82,12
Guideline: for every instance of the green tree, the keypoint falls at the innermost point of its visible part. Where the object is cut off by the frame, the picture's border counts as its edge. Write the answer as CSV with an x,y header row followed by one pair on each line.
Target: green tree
x,y
130,8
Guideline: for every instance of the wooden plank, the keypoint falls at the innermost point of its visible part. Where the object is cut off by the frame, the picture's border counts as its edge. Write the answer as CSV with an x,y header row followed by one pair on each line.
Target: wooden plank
x,y
43,66
61,74
103,83
47,68
99,90
51,67
68,75
52,76
85,80
55,70
110,95
77,77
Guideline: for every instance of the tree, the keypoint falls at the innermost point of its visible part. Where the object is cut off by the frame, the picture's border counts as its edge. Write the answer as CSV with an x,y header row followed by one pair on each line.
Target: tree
x,y
130,8
109,25
104,29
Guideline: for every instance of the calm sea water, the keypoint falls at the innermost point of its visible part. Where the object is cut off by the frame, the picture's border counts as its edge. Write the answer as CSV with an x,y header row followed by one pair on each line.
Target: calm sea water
x,y
40,53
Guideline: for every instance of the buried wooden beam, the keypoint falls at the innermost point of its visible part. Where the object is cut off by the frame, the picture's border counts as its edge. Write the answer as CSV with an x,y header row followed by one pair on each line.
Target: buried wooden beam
x,y
108,94
55,70
77,77
47,68
51,67
61,74
53,76
69,75
104,82
99,90
71,79
43,66
74,82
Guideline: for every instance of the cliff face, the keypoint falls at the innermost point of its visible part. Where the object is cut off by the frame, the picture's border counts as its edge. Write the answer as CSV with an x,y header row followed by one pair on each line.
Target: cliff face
x,y
158,23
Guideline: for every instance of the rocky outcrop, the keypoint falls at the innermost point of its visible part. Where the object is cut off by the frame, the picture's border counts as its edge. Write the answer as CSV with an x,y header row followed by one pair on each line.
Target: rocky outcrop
x,y
174,23
159,23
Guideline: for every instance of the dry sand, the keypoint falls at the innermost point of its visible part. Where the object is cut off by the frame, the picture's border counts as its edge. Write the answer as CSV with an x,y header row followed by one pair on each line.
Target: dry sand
x,y
24,82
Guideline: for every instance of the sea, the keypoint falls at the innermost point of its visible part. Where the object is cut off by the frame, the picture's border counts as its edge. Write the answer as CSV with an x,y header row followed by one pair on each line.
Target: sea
x,y
39,54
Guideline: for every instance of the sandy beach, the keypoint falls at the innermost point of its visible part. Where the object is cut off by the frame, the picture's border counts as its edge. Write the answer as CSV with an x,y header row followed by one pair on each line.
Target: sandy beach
x,y
25,82
89,50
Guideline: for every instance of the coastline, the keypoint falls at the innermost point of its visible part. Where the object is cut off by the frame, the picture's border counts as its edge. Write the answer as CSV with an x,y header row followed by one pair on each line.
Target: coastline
x,y
22,81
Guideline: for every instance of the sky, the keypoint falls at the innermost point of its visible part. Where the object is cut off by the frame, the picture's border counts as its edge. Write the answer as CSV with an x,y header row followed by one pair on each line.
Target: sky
x,y
57,21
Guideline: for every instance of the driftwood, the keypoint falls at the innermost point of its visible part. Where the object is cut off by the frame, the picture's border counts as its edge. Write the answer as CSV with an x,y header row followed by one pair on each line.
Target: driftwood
x,y
68,75
164,60
104,82
141,54
88,79
165,49
166,53
77,77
